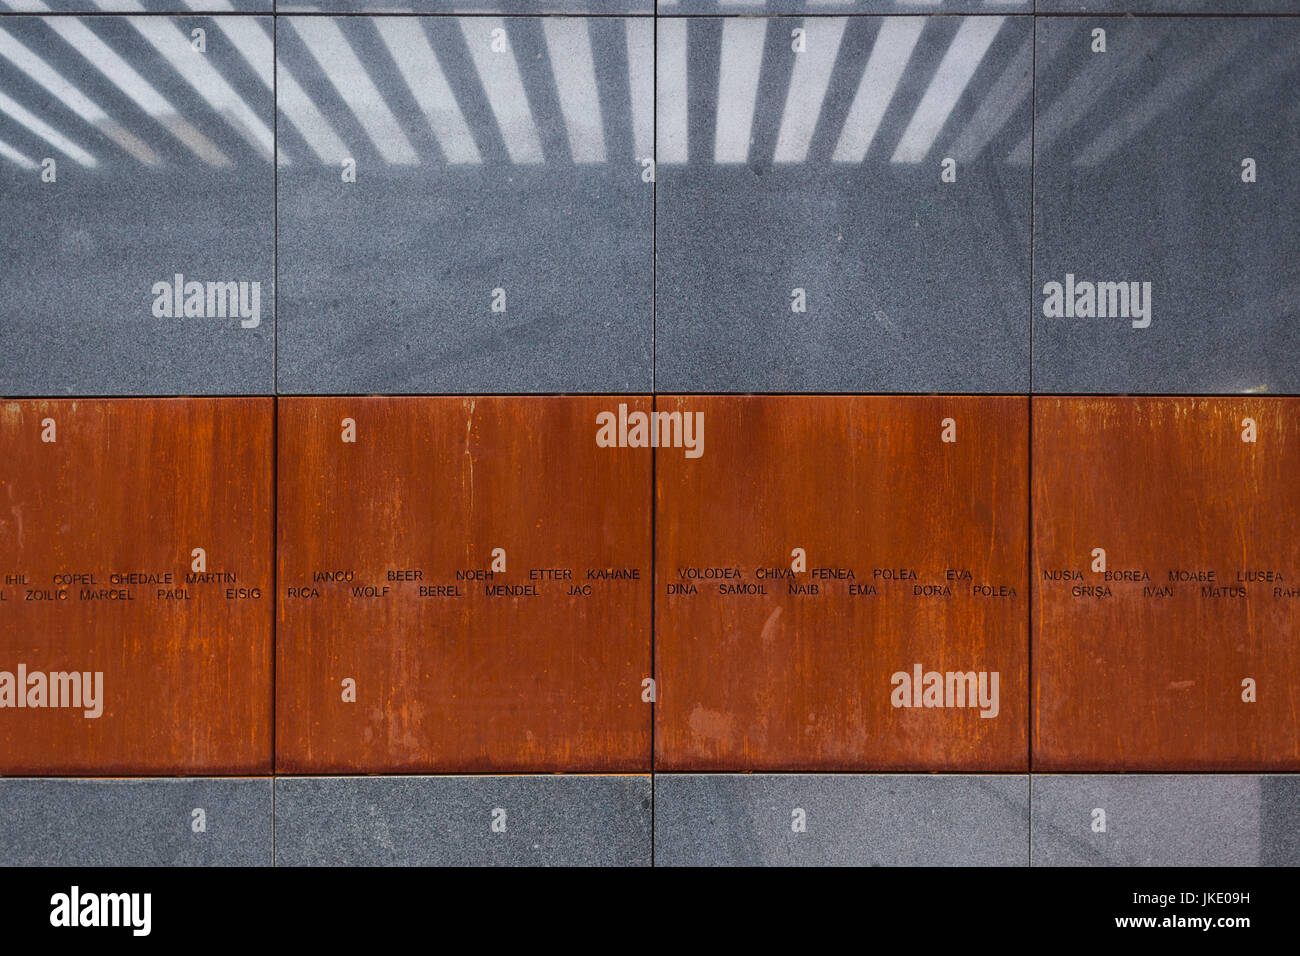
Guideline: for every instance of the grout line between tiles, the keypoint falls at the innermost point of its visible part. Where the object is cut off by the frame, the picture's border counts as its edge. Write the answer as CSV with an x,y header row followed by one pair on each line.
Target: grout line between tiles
x,y
654,583
1029,448
275,414
654,406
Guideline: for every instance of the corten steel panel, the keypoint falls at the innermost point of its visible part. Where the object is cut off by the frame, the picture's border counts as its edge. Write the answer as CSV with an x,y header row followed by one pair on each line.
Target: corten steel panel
x,y
1144,669
460,681
131,487
805,681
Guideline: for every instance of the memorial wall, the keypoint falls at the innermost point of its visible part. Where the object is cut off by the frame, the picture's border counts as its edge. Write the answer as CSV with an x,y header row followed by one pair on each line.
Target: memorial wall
x,y
563,432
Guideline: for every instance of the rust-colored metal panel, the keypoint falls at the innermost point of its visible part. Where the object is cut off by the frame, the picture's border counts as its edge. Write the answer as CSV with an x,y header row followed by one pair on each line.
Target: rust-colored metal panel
x,y
122,650
1140,666
760,669
386,580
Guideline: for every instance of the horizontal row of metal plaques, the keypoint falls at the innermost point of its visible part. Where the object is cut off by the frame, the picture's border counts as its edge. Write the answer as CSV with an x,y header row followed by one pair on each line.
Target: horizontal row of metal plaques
x,y
507,584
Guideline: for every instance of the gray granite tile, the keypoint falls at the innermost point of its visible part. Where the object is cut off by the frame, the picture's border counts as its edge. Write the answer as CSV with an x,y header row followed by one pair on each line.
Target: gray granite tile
x,y
163,167
507,7
823,171
1163,820
849,819
1140,160
477,170
554,820
1279,820
137,6
135,822
1169,6
823,7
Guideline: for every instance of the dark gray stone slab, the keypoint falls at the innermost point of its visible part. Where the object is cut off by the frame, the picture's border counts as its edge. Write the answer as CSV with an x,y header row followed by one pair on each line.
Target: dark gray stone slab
x,y
163,166
1138,178
823,171
508,7
449,821
137,6
135,822
1165,820
822,7
1279,820
1169,6
850,819
477,170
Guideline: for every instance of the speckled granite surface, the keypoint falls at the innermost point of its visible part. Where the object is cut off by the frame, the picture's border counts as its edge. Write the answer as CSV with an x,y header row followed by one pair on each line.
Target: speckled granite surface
x,y
847,819
135,822
1141,159
570,820
1165,820
156,185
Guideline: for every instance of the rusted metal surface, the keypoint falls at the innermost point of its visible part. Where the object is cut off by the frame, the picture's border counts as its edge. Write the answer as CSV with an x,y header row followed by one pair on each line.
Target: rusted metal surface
x,y
1141,666
102,505
934,533
385,556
